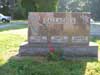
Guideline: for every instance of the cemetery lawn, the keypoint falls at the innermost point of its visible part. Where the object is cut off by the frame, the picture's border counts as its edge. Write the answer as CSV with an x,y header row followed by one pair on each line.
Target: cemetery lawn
x,y
10,40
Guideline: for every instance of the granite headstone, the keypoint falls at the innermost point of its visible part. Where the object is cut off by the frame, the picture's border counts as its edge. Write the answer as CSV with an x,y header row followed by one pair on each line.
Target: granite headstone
x,y
69,31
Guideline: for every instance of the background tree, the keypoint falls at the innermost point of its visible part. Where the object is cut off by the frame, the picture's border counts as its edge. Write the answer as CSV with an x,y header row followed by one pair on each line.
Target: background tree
x,y
19,12
5,7
95,9
40,5
24,6
73,5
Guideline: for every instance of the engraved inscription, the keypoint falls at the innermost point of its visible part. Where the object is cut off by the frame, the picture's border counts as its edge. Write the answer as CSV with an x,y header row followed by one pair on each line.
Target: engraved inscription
x,y
79,39
57,27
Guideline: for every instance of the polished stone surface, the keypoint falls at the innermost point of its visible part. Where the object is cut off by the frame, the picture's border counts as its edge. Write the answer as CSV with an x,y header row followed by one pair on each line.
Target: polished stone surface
x,y
69,51
68,28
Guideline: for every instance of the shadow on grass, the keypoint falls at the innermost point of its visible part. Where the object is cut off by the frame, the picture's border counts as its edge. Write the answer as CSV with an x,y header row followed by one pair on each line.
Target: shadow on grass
x,y
94,38
40,66
14,27
2,23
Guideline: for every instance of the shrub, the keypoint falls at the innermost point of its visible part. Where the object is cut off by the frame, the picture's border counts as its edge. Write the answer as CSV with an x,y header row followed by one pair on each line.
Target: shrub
x,y
19,12
39,5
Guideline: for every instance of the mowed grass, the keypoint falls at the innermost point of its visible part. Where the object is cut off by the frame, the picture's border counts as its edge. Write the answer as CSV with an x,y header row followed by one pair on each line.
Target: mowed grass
x,y
10,40
96,39
11,37
31,67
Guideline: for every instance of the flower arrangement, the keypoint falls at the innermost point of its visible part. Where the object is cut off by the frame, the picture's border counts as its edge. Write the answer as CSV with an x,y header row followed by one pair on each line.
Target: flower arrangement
x,y
54,53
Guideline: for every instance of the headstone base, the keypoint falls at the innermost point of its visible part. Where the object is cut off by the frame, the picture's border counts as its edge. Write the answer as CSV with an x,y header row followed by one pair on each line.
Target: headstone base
x,y
90,50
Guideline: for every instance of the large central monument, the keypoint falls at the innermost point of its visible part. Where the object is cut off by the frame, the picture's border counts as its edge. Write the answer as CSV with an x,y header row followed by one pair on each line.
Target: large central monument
x,y
67,28
67,31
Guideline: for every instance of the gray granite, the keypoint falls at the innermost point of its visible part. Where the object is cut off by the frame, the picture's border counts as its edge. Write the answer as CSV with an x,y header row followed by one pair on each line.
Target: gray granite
x,y
69,51
69,32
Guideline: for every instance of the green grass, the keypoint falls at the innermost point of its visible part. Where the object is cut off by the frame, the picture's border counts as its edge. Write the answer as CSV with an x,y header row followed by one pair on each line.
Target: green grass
x,y
12,21
10,40
96,40
11,37
31,66
13,27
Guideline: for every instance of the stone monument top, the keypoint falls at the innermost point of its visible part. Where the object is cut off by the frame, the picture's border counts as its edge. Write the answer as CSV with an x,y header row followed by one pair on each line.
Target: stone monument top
x,y
58,27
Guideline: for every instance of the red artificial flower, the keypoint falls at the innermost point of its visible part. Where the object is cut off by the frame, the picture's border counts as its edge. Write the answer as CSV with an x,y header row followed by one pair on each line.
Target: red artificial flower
x,y
51,48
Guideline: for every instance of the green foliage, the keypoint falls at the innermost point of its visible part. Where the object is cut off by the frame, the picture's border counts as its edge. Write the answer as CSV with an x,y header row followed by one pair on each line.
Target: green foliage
x,y
47,5
40,5
33,67
29,5
74,5
56,55
5,9
92,6
19,12
53,56
95,9
24,6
